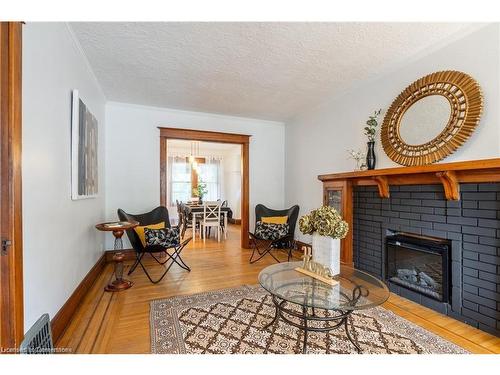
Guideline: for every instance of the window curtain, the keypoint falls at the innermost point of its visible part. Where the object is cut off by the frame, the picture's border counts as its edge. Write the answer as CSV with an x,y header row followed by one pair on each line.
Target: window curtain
x,y
210,173
179,180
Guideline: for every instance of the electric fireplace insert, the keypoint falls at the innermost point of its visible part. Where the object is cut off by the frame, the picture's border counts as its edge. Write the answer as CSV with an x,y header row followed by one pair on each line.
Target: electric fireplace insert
x,y
419,263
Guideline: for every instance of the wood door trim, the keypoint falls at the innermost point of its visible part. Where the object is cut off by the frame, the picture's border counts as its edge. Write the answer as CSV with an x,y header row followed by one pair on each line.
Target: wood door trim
x,y
11,269
203,135
218,137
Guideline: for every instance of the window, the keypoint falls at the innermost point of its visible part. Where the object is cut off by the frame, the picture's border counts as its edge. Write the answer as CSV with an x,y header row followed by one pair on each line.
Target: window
x,y
210,174
180,179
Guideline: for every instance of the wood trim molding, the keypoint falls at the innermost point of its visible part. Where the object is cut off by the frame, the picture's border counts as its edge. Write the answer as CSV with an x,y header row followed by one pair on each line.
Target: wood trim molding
x,y
11,264
245,195
450,184
203,135
61,320
450,175
383,186
484,164
218,137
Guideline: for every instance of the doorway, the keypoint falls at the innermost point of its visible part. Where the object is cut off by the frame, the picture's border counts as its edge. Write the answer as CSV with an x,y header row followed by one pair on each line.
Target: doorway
x,y
11,266
215,137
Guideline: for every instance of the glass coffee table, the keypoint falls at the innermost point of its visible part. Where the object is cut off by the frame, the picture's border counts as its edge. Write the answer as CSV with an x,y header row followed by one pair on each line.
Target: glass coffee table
x,y
314,306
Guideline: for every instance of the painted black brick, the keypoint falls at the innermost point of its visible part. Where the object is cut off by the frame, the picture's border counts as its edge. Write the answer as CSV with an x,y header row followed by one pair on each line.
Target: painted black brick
x,y
484,249
473,223
486,213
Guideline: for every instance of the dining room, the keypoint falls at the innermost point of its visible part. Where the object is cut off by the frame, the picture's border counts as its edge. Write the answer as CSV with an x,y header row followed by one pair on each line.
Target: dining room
x,y
203,189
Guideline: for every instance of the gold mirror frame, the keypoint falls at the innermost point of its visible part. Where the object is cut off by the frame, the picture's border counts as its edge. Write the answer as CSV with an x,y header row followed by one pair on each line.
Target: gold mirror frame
x,y
466,102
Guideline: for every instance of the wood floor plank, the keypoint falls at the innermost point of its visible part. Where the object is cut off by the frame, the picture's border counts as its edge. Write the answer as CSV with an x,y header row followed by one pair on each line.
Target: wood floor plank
x,y
119,322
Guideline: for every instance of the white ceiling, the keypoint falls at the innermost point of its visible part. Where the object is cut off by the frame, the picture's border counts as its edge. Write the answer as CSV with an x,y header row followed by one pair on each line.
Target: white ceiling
x,y
261,70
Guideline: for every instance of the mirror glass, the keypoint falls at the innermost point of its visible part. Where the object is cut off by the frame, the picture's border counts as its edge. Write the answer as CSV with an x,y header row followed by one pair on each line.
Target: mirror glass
x,y
425,120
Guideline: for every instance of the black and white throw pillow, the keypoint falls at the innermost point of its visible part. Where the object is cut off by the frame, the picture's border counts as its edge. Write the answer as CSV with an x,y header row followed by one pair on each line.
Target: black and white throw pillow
x,y
270,231
165,237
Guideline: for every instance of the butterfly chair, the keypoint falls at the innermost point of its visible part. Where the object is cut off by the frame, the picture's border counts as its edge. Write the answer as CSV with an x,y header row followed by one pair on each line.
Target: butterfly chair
x,y
263,246
173,253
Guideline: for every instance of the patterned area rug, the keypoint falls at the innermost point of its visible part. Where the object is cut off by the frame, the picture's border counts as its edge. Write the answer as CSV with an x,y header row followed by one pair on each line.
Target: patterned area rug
x,y
231,320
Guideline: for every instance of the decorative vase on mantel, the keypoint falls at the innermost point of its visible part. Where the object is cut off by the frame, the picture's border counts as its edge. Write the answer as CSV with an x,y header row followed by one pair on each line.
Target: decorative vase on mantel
x,y
371,160
326,251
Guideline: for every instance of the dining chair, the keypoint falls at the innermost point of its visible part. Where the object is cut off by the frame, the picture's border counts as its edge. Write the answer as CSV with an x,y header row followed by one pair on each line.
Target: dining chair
x,y
222,220
187,220
179,213
211,218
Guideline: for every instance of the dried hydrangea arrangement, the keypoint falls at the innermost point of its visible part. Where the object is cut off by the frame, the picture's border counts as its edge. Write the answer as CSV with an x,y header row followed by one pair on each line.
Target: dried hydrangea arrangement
x,y
326,221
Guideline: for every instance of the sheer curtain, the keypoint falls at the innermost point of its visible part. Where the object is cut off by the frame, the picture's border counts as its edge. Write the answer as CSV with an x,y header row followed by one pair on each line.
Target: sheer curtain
x,y
210,173
179,179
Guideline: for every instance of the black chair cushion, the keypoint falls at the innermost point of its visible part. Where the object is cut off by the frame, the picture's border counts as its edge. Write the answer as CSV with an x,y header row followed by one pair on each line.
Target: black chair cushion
x,y
292,213
159,214
165,237
269,231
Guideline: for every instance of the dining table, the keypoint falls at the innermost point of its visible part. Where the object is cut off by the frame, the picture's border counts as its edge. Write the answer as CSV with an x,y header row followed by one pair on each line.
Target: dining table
x,y
197,211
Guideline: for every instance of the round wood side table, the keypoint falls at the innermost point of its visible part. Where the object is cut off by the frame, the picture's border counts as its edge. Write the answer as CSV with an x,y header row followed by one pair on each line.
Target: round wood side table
x,y
118,228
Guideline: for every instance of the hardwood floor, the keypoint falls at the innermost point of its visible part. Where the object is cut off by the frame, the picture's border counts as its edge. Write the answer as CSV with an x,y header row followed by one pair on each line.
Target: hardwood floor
x,y
119,322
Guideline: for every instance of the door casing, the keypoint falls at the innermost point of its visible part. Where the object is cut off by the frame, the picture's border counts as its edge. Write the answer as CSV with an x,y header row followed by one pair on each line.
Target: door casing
x,y
11,260
218,137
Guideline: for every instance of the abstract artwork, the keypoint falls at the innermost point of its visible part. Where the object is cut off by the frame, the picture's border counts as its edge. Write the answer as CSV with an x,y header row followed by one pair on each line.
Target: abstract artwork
x,y
84,163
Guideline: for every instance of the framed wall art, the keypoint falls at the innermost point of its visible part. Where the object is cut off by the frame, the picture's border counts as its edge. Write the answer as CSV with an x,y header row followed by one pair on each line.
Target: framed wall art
x,y
84,150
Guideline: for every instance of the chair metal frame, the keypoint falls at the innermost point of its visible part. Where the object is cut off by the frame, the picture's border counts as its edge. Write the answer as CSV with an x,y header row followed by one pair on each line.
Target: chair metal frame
x,y
173,254
262,247
173,258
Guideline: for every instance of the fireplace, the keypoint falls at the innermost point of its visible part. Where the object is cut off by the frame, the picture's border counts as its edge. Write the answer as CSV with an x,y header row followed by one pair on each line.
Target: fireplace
x,y
419,263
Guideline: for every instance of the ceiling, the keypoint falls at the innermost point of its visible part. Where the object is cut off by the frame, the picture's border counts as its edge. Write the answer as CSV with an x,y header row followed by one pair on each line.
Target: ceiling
x,y
260,70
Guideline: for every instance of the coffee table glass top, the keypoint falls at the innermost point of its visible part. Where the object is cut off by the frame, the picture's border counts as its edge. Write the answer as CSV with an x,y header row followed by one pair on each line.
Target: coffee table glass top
x,y
356,289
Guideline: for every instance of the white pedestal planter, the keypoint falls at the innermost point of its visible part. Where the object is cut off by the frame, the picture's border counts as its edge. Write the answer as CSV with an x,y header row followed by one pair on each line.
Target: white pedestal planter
x,y
326,250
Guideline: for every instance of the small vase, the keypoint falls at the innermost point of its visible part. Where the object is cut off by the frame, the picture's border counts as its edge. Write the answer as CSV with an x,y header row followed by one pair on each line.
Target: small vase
x,y
326,251
371,160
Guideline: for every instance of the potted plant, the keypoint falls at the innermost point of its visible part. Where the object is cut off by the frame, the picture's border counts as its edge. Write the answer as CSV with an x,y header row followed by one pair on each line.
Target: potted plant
x,y
327,229
200,191
370,132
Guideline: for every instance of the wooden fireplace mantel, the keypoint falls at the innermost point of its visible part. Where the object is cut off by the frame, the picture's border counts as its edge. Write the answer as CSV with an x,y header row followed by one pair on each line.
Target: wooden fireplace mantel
x,y
338,187
450,175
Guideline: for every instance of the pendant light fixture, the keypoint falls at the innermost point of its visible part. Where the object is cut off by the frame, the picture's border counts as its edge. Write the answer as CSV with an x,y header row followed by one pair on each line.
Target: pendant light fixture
x,y
191,156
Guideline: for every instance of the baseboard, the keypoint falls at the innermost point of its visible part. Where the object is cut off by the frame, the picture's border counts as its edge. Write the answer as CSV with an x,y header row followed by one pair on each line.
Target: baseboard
x,y
234,221
63,317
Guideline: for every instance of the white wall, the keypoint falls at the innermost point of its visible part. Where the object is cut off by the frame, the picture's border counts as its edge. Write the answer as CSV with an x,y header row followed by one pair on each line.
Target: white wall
x,y
60,242
133,155
232,181
317,140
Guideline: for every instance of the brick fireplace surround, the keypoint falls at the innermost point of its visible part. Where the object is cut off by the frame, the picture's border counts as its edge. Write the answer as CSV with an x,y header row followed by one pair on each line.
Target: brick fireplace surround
x,y
471,223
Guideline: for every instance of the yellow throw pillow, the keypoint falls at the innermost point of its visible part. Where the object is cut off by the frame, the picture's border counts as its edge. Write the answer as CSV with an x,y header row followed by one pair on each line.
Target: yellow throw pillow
x,y
275,219
142,235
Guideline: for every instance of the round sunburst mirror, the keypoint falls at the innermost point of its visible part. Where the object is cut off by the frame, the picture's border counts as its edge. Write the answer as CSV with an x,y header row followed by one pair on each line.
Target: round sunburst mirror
x,y
432,118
